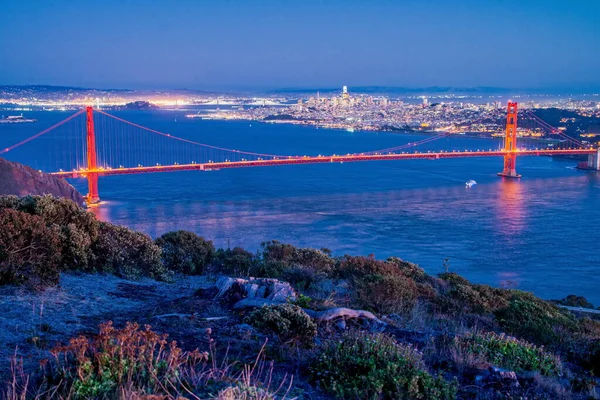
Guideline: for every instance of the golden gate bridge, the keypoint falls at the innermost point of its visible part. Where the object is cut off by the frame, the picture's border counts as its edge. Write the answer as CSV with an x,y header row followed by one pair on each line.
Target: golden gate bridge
x,y
101,144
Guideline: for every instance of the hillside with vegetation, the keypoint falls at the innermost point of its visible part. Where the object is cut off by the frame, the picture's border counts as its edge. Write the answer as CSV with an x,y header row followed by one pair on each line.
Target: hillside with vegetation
x,y
93,310
18,179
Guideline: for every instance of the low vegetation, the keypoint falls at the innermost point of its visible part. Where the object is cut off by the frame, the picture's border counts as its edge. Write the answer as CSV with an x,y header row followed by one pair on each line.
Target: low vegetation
x,y
185,252
419,336
288,322
373,366
138,363
508,352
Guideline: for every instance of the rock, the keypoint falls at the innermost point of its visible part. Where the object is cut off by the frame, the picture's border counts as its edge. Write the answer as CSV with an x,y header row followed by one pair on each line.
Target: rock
x,y
258,292
252,292
345,313
504,376
341,324
282,291
254,303
21,180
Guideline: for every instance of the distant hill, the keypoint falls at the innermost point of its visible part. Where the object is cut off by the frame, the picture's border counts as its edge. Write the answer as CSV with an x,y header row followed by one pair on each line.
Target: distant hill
x,y
140,105
21,180
13,92
52,89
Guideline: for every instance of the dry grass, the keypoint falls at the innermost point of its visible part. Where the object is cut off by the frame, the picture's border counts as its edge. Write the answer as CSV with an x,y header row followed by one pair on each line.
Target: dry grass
x,y
134,363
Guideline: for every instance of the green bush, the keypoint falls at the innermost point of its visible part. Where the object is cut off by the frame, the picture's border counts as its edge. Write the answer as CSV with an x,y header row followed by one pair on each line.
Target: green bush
x,y
536,320
351,267
386,294
127,253
462,296
302,278
186,252
409,269
236,262
278,257
78,227
575,301
29,250
478,298
374,366
269,269
303,301
287,321
509,352
453,278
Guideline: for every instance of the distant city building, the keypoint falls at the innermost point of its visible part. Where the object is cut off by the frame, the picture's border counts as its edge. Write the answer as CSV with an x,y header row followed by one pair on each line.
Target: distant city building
x,y
345,96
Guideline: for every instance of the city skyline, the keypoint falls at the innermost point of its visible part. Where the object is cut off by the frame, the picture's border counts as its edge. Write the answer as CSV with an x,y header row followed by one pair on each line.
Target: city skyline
x,y
268,45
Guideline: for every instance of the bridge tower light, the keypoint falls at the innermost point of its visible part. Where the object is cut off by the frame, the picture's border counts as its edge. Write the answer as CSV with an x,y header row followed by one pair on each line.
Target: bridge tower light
x,y
510,143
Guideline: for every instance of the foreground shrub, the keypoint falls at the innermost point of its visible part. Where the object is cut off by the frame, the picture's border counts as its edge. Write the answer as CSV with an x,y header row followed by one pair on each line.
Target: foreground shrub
x,y
236,262
509,352
54,210
375,366
131,358
127,253
78,227
386,294
185,252
409,269
29,250
351,267
536,320
575,301
302,278
287,321
278,258
138,363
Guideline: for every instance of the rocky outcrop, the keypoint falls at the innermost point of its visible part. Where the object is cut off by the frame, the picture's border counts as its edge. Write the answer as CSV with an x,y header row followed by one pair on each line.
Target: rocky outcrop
x,y
21,180
241,293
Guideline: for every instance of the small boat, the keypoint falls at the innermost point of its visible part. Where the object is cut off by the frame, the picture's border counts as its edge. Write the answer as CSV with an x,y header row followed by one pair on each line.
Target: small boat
x,y
15,119
470,183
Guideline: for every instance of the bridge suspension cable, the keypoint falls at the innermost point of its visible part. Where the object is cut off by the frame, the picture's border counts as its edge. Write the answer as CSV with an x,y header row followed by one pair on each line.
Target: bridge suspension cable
x,y
408,145
553,129
37,135
191,141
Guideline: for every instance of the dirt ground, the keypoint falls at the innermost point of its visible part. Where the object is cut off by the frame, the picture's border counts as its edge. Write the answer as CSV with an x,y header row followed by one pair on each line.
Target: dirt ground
x,y
32,323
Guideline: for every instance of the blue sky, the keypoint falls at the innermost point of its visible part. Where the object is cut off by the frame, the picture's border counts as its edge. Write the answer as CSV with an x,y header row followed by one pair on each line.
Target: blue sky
x,y
269,44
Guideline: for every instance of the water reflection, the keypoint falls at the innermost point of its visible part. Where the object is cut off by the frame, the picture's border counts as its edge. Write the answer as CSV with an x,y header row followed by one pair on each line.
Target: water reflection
x,y
511,213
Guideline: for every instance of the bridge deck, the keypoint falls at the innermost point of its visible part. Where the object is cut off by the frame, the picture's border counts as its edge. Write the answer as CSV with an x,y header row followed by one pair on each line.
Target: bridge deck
x,y
318,160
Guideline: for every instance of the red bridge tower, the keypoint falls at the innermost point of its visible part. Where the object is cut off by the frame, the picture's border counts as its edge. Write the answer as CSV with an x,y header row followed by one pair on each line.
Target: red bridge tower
x,y
510,143
92,177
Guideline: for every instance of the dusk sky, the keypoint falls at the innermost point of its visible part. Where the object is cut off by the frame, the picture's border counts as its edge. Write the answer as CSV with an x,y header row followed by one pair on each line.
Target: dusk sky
x,y
269,44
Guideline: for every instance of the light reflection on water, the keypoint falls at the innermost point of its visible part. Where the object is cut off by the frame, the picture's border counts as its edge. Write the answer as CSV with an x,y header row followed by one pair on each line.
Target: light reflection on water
x,y
503,232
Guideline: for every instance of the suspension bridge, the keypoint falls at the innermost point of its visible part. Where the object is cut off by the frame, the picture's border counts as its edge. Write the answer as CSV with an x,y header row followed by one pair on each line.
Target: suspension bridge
x,y
97,144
